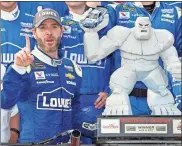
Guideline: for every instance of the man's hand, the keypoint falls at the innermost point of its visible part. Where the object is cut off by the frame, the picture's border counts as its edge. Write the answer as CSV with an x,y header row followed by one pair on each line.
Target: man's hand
x,y
14,124
101,100
24,58
13,138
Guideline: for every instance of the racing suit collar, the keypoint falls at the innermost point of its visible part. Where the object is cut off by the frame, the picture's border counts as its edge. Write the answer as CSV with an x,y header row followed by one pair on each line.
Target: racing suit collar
x,y
10,16
139,4
77,17
45,58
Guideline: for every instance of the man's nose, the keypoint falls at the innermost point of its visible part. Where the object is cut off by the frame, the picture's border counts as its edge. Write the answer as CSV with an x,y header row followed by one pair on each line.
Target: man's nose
x,y
48,32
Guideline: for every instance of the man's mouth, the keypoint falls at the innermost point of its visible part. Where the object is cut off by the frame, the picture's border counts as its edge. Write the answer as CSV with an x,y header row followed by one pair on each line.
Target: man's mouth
x,y
49,40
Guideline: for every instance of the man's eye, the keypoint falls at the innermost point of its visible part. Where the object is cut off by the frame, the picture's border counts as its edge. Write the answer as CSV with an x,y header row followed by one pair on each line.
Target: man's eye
x,y
140,24
41,27
147,25
55,26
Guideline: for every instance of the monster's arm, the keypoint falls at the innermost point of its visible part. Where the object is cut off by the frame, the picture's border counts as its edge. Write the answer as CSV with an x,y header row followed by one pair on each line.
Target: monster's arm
x,y
96,49
170,57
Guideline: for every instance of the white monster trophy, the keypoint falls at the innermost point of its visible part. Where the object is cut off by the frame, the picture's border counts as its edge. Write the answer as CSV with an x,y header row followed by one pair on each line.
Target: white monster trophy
x,y
140,49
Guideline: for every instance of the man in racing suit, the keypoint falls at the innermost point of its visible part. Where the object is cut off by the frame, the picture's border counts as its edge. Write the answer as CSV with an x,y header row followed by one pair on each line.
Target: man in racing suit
x,y
9,120
16,22
95,83
162,16
46,87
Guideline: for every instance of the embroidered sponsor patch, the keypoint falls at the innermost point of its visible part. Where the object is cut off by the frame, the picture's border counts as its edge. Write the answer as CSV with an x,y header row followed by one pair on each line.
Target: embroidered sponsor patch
x,y
38,65
39,75
71,83
124,15
66,29
70,76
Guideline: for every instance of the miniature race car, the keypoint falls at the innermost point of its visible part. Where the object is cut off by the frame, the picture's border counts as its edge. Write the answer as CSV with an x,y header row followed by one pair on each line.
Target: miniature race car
x,y
94,17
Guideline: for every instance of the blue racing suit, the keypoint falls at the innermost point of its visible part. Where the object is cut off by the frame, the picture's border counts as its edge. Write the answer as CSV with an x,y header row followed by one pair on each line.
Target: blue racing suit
x,y
47,95
176,89
60,7
175,3
164,16
15,25
96,76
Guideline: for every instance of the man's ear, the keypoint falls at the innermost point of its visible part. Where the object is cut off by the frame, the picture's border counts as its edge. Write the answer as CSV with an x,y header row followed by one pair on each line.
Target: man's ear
x,y
34,33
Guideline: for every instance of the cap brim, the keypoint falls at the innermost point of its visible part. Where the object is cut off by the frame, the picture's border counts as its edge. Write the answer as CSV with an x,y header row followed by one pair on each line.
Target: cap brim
x,y
41,21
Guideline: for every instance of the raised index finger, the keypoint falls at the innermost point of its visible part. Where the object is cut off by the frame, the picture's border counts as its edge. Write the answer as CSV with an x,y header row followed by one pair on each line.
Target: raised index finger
x,y
27,40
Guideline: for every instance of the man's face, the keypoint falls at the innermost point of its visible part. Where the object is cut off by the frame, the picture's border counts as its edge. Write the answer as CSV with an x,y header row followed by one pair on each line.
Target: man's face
x,y
7,5
73,4
48,35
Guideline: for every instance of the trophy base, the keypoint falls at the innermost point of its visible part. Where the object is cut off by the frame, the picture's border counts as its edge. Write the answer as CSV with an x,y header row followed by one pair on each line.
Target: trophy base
x,y
142,130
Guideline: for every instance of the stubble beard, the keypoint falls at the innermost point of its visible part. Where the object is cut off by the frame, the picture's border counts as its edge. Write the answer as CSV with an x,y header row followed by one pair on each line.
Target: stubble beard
x,y
45,49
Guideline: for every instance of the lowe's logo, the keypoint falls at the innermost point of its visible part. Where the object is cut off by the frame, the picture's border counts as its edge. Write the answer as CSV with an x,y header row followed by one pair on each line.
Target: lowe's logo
x,y
53,100
8,51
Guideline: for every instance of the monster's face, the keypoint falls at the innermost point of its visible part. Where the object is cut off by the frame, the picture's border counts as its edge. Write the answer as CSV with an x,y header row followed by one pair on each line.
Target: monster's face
x,y
143,29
